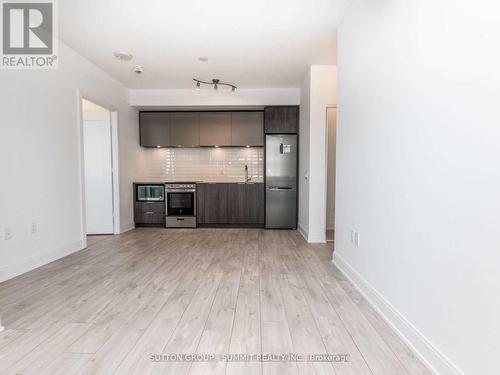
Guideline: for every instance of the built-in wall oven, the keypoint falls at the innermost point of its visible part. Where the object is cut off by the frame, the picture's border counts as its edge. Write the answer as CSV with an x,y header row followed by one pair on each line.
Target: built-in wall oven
x,y
180,205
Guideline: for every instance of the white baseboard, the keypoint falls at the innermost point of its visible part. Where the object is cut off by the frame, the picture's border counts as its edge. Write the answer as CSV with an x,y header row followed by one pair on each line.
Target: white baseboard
x,y
436,361
317,237
311,237
302,231
126,227
12,270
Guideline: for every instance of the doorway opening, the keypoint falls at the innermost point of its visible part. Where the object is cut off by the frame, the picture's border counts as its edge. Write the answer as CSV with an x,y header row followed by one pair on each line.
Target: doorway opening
x,y
331,148
99,154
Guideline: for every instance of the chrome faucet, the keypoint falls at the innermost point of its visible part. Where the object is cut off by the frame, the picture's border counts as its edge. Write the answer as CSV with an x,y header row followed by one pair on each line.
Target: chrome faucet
x,y
247,179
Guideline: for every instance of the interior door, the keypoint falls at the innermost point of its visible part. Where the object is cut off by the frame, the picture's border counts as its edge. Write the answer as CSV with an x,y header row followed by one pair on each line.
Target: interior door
x,y
98,173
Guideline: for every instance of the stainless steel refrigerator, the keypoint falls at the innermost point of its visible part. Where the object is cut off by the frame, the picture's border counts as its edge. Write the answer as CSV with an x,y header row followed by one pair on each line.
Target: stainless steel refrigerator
x,y
281,181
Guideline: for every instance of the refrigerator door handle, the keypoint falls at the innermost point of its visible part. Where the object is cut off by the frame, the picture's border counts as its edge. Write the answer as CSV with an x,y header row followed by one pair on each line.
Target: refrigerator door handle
x,y
277,188
281,148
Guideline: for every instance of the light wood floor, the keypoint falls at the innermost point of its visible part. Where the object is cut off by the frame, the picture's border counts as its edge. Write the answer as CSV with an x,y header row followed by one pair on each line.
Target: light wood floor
x,y
107,309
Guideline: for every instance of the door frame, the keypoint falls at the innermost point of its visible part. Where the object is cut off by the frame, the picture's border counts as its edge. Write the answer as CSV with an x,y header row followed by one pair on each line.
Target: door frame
x,y
326,167
114,165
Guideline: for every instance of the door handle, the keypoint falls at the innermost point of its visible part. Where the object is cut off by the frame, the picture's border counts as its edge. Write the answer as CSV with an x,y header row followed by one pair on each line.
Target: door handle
x,y
281,148
279,188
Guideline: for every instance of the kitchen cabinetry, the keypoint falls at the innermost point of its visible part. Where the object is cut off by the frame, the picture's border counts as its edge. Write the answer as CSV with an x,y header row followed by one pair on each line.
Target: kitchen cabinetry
x,y
193,129
148,213
281,120
212,203
154,129
185,129
215,128
246,204
247,128
230,204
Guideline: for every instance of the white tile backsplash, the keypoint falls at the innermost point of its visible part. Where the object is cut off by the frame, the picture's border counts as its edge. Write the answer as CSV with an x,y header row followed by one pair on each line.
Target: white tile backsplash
x,y
203,164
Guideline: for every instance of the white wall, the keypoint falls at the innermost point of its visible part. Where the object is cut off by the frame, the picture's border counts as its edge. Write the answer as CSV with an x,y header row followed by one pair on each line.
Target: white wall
x,y
303,183
40,156
210,97
331,164
317,93
208,164
418,172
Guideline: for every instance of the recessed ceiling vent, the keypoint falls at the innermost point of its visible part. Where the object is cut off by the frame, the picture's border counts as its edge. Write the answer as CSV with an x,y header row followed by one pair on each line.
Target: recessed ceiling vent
x,y
123,56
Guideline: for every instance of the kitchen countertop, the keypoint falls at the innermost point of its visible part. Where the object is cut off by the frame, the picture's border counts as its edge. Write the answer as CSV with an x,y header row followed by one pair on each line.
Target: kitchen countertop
x,y
197,182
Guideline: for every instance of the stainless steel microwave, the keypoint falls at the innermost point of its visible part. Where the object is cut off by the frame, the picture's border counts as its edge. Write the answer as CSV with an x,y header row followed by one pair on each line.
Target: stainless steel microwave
x,y
151,193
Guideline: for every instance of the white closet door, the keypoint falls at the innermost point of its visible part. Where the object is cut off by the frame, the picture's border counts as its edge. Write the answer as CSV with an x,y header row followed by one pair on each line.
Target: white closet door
x,y
98,175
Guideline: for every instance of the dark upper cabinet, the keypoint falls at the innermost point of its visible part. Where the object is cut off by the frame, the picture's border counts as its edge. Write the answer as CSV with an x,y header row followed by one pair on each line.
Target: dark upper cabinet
x,y
193,129
215,128
281,120
154,129
247,129
184,129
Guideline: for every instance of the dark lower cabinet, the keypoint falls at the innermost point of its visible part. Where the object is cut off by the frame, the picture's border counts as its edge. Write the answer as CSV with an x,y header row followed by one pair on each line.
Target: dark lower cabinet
x,y
230,204
246,203
149,214
211,203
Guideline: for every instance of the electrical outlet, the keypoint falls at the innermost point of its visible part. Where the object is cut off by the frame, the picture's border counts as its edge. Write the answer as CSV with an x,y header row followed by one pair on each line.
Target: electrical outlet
x,y
357,239
8,234
34,228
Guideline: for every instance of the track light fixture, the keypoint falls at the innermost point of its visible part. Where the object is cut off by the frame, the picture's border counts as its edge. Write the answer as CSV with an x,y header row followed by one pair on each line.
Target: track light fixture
x,y
215,82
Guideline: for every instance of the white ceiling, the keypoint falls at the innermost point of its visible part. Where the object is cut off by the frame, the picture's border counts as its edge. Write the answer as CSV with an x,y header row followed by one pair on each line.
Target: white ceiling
x,y
249,43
